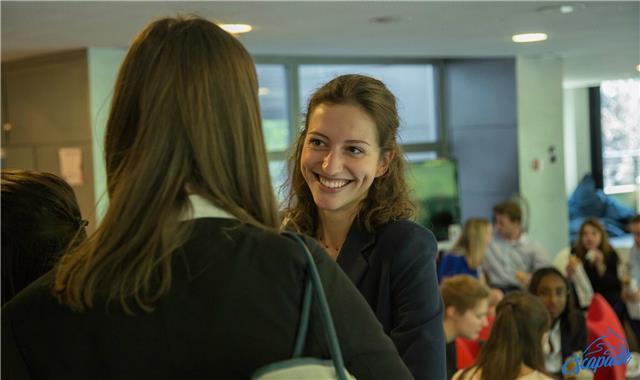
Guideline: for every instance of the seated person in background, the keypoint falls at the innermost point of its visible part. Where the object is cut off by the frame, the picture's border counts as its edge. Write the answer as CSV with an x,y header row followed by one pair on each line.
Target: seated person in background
x,y
600,261
568,332
40,219
631,293
467,255
514,349
468,252
466,302
512,256
633,266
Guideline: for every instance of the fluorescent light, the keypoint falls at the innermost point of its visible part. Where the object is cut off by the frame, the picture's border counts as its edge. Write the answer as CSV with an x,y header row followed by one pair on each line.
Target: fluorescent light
x,y
638,67
564,9
236,28
264,91
529,37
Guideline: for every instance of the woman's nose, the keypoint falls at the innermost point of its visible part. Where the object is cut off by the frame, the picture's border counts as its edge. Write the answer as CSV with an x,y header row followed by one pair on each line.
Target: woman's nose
x,y
332,163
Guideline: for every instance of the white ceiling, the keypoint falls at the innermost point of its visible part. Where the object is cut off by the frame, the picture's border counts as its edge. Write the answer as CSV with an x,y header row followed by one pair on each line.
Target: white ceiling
x,y
599,40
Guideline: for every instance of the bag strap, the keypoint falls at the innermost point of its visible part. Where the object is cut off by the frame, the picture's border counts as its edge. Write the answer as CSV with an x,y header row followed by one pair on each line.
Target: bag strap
x,y
314,283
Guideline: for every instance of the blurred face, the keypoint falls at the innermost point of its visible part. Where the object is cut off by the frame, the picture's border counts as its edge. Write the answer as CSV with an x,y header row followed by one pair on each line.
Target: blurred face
x,y
553,294
635,230
507,228
469,324
591,237
488,235
341,156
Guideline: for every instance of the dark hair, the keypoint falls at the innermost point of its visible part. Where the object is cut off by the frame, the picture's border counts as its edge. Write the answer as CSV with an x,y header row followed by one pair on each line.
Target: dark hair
x,y
635,219
510,209
388,197
581,251
185,118
516,338
568,315
40,219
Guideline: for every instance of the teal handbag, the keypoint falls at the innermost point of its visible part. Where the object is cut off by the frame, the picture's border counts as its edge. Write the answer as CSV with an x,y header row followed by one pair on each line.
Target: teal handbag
x,y
300,368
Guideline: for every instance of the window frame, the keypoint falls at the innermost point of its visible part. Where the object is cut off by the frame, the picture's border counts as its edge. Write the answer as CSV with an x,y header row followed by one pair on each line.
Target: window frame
x,y
291,64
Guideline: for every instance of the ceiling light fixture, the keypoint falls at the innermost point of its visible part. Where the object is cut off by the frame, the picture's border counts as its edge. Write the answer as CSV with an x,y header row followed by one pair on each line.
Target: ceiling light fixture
x,y
638,67
529,37
236,28
565,9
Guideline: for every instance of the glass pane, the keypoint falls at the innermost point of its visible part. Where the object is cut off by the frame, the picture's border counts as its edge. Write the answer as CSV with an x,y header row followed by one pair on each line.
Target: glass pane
x,y
434,189
273,105
278,171
413,86
620,117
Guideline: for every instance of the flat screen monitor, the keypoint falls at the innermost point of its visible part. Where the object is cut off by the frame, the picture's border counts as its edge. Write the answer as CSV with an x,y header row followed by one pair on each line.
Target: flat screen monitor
x,y
434,186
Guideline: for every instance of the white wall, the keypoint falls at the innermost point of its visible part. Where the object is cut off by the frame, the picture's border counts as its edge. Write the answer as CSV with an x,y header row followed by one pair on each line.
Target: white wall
x,y
576,136
540,127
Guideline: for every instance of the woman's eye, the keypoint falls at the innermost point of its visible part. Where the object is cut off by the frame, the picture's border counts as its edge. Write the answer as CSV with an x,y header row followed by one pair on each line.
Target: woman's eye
x,y
316,142
355,150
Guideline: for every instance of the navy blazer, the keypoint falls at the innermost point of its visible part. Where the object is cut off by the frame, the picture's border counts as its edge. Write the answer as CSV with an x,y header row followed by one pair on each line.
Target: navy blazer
x,y
395,270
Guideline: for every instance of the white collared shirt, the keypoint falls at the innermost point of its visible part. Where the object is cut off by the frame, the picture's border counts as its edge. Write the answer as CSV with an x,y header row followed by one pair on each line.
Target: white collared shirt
x,y
553,359
201,207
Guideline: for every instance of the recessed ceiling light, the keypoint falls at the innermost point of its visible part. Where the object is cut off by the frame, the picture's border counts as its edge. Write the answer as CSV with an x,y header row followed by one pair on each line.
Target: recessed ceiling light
x,y
564,9
236,28
529,37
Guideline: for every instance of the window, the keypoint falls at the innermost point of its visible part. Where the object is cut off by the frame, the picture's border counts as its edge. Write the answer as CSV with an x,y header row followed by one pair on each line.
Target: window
x,y
620,123
273,105
413,86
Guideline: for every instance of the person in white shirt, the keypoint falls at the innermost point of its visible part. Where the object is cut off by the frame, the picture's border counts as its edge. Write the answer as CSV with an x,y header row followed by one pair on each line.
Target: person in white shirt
x,y
568,329
512,256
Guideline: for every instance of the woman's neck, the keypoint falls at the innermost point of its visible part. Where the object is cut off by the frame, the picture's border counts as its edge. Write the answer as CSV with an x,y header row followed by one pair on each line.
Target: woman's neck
x,y
525,370
333,229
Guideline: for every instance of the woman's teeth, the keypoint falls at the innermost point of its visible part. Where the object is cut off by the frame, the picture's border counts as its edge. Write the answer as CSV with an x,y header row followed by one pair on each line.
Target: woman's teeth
x,y
333,183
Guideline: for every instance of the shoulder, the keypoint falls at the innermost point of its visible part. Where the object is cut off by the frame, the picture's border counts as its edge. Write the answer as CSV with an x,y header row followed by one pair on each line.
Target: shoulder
x,y
470,374
405,245
403,232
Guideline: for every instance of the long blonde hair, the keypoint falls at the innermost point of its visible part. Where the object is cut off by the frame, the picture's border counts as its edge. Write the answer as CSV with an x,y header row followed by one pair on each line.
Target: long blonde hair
x,y
185,113
472,241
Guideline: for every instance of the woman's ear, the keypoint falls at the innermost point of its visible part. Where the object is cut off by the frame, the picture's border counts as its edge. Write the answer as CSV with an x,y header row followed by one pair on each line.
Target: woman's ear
x,y
385,161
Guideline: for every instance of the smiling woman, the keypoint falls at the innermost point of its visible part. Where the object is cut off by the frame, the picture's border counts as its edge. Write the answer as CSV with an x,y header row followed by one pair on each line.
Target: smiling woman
x,y
347,189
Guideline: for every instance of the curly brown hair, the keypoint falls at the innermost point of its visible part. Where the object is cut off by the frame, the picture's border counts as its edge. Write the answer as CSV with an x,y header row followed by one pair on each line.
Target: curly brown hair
x,y
388,197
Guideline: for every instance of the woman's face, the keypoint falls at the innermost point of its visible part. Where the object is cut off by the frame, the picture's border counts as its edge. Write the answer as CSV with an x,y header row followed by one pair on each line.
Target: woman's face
x,y
470,323
552,290
341,156
591,237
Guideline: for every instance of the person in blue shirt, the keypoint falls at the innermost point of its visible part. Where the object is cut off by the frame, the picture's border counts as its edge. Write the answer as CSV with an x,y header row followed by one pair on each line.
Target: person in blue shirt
x,y
468,252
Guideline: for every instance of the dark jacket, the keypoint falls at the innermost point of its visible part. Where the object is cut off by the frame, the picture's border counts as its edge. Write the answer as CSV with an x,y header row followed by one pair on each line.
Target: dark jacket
x,y
233,307
395,270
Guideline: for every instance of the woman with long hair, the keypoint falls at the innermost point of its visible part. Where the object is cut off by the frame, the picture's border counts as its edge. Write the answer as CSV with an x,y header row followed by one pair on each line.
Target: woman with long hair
x,y
186,276
514,349
468,251
568,332
40,220
348,190
600,261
